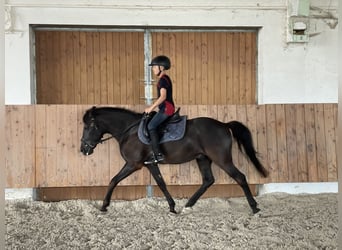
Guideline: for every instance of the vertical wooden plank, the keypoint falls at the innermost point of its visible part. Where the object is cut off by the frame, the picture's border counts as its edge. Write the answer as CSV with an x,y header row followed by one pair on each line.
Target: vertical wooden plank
x,y
253,86
301,143
123,68
20,157
229,65
77,66
198,65
178,68
69,74
204,69
51,147
137,60
272,152
142,68
217,69
129,63
236,69
57,65
41,145
61,148
242,68
103,68
292,168
330,135
281,144
63,65
72,145
116,68
211,69
166,44
311,142
321,146
248,68
110,66
223,68
186,68
96,68
192,84
83,68
28,158
90,68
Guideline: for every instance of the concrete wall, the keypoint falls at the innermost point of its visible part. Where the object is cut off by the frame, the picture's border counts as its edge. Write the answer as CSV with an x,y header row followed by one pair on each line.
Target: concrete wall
x,y
287,73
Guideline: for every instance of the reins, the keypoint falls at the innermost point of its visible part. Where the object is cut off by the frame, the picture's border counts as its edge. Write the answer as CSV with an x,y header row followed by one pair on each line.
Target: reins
x,y
122,133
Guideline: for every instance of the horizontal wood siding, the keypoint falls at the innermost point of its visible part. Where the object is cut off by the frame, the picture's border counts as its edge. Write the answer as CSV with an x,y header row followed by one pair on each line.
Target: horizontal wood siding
x,y
296,143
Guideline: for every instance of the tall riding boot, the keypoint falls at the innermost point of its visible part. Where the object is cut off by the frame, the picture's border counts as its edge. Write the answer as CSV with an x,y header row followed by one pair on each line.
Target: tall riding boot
x,y
157,155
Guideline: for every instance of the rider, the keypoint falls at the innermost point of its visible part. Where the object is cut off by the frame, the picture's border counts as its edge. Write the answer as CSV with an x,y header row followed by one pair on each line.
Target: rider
x,y
164,102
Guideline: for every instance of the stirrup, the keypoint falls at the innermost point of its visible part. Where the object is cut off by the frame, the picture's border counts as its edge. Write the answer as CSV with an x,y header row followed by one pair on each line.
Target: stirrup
x,y
154,159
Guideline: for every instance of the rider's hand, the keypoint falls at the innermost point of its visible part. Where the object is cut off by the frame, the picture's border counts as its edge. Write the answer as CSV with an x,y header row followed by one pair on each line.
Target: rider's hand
x,y
148,110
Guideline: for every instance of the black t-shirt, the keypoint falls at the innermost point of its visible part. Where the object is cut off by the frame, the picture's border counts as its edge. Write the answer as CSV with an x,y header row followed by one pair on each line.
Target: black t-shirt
x,y
168,106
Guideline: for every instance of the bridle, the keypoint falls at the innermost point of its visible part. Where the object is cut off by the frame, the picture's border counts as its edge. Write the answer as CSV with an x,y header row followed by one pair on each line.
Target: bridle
x,y
92,146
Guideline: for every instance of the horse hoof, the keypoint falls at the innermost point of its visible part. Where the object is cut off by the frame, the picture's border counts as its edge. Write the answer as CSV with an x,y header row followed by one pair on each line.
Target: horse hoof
x,y
256,210
187,210
103,209
173,211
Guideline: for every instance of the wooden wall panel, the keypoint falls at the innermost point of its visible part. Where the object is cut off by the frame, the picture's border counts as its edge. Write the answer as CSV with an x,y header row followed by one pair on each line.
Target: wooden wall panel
x,y
330,131
294,142
210,68
20,142
79,67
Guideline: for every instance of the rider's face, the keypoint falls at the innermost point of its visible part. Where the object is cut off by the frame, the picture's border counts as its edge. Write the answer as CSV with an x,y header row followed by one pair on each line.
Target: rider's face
x,y
156,69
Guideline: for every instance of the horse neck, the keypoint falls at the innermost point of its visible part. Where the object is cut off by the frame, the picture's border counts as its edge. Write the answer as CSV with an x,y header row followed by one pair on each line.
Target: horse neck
x,y
117,122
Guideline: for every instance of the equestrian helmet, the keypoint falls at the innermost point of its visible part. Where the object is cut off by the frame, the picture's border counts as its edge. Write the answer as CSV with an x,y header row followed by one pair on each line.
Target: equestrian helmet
x,y
161,61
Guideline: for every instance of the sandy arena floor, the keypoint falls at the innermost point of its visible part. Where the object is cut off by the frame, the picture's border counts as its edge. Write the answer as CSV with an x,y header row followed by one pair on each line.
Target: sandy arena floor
x,y
285,222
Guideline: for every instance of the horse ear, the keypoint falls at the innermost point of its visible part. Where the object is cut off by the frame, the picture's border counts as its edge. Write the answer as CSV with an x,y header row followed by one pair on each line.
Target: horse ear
x,y
89,115
92,111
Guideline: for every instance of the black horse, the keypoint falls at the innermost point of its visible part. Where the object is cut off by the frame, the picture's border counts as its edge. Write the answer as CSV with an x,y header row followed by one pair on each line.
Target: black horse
x,y
206,140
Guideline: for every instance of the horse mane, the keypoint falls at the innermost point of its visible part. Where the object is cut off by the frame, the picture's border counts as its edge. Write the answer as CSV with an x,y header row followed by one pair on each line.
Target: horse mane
x,y
95,111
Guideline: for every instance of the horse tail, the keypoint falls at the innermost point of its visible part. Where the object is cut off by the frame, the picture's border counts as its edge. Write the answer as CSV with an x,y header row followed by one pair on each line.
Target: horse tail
x,y
243,137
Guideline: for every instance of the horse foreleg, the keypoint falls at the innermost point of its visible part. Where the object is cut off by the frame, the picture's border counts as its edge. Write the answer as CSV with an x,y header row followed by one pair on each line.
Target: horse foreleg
x,y
154,170
240,178
204,164
126,171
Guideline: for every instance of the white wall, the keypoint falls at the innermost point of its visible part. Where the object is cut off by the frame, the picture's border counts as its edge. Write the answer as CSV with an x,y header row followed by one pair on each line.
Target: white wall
x,y
287,73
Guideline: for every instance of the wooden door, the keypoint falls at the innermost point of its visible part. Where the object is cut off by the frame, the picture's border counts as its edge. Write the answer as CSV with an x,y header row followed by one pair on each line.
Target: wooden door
x,y
80,67
210,67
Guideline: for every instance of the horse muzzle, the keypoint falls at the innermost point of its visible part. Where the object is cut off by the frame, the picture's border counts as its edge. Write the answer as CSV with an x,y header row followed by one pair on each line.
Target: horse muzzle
x,y
86,148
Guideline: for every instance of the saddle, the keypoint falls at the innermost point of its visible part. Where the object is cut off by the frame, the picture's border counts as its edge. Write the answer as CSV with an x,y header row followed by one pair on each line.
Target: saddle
x,y
172,129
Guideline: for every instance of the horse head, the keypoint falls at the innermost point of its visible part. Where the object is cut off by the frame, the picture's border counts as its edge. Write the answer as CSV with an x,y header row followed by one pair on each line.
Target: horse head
x,y
92,132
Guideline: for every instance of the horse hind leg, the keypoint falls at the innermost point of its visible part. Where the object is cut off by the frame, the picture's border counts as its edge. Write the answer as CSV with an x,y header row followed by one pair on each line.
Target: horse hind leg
x,y
204,164
240,178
